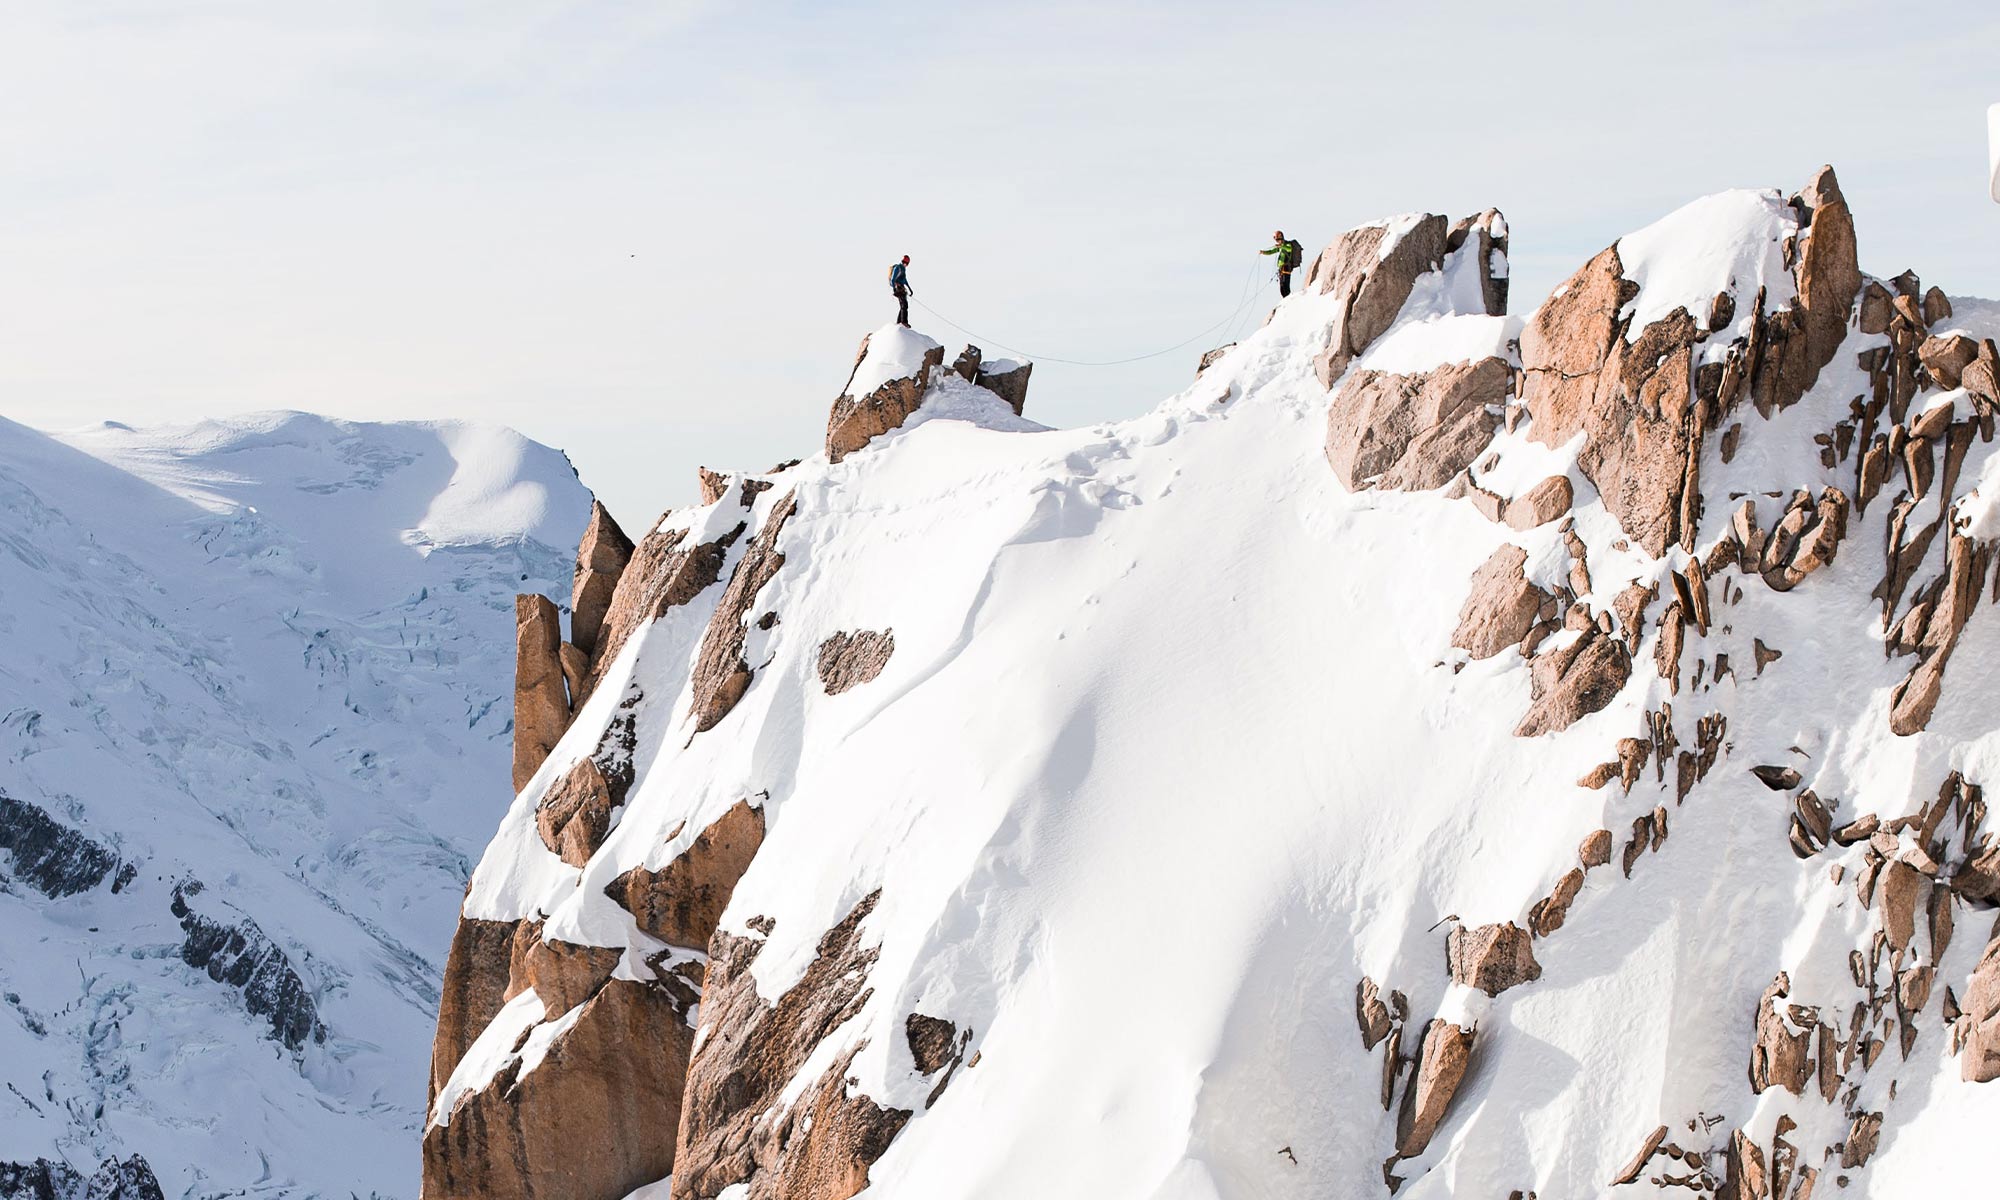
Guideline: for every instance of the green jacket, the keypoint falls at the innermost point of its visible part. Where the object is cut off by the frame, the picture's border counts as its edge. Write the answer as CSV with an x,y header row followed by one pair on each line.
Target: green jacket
x,y
1287,252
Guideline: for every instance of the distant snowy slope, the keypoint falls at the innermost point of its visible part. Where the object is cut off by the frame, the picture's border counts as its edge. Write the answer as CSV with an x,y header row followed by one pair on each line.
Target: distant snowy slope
x,y
255,682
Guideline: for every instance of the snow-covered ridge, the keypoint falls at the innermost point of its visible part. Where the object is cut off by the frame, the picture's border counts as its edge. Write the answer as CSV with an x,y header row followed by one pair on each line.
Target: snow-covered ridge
x,y
1435,754
251,724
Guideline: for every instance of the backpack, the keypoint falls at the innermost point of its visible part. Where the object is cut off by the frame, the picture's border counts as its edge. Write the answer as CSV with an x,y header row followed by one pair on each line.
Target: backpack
x,y
1292,253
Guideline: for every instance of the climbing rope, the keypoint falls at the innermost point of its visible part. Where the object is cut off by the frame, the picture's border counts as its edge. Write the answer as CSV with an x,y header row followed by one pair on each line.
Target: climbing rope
x,y
1248,298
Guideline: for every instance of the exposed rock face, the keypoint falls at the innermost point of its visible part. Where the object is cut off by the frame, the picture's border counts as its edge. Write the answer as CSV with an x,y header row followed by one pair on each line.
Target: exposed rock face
x,y
681,902
1491,958
664,573
52,1179
1007,380
475,986
1979,1062
541,701
1541,503
720,675
1414,432
1501,607
1574,681
848,660
823,1145
1372,284
1441,1064
857,419
600,560
560,1131
575,814
238,954
1783,1053
51,857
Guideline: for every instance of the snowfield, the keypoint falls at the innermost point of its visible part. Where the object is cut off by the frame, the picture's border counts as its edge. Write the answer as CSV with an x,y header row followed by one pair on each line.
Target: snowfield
x,y
255,700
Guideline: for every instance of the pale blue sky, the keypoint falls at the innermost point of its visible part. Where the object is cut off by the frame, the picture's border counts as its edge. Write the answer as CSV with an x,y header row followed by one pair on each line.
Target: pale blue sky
x,y
652,234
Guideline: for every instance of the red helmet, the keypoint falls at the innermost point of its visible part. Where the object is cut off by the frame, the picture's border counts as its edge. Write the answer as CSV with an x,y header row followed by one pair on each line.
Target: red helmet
x,y
906,260
1278,235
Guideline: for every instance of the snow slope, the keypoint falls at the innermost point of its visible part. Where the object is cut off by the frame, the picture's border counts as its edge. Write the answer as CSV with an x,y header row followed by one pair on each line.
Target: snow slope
x,y
1174,749
265,664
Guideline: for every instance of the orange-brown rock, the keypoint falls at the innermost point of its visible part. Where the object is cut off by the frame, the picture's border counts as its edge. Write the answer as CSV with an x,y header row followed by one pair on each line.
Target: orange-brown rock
x,y
1441,1062
855,420
1007,380
600,560
1876,309
1631,400
665,572
848,660
1595,850
1414,432
734,1127
475,987
1491,958
714,484
1552,911
1541,503
575,813
1937,307
565,974
1573,681
541,701
1828,273
1371,284
1979,1061
1947,357
681,902
1501,606
587,1123
933,1042
1371,1014
720,674
1782,1056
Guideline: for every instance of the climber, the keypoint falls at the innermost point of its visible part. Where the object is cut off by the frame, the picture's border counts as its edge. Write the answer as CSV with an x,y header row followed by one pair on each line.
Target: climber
x,y
1289,253
899,285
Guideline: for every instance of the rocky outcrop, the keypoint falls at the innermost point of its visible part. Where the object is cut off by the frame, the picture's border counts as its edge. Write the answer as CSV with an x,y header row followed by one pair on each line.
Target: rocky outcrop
x,y
129,1178
1414,432
237,954
51,857
1979,1061
820,1146
1441,1062
562,1130
665,572
1574,680
1540,504
541,698
575,814
1501,606
476,975
720,674
681,902
1371,271
1491,958
848,660
600,560
1003,377
856,420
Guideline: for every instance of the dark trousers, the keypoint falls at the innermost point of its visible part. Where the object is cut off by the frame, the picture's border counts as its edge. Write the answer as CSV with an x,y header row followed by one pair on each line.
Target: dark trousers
x,y
902,306
1284,281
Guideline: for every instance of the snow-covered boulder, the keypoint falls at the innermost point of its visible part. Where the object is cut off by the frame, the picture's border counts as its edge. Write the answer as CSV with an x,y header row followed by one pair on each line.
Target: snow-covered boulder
x,y
892,371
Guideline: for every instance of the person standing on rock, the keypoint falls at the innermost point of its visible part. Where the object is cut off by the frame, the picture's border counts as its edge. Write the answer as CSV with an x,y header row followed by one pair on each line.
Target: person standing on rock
x,y
1288,252
899,286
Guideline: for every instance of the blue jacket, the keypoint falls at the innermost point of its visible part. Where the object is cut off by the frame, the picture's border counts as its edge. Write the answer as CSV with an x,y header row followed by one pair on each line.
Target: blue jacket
x,y
899,276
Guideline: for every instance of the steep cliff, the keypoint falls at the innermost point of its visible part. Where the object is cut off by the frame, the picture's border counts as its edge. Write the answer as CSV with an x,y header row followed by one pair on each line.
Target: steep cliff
x,y
1438,753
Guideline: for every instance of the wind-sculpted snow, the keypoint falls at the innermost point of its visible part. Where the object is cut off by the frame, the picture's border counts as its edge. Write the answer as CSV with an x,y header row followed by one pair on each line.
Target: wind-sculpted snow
x,y
270,655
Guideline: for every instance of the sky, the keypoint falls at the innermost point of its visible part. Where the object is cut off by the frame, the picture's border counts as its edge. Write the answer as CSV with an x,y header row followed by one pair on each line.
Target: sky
x,y
652,234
